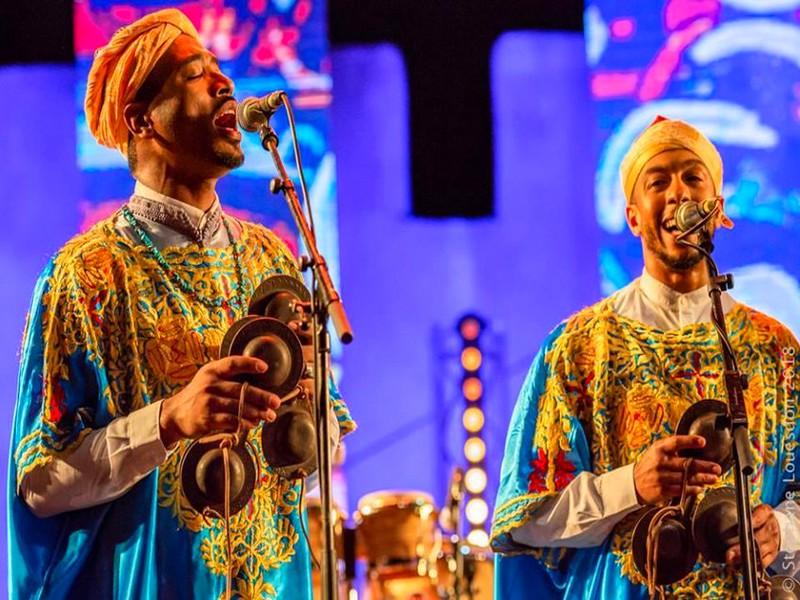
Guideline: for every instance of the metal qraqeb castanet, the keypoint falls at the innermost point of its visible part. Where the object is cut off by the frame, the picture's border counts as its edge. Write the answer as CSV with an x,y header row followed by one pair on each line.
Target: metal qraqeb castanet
x,y
276,330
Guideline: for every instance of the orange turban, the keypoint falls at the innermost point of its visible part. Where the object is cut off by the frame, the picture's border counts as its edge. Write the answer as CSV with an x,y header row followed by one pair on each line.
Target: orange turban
x,y
121,67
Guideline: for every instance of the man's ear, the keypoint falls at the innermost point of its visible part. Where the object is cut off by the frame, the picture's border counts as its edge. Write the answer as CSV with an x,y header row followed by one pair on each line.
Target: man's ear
x,y
632,217
722,220
137,120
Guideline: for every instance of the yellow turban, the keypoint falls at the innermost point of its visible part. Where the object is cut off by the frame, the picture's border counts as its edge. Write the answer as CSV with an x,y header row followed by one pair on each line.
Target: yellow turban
x,y
668,134
121,67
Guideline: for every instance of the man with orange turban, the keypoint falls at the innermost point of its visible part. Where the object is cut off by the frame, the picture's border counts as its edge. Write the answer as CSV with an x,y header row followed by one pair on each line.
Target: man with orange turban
x,y
120,369
593,440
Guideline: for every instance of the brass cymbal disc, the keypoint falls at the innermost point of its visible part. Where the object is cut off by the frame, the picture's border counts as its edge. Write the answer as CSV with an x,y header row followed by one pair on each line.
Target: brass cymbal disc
x,y
202,477
274,343
676,555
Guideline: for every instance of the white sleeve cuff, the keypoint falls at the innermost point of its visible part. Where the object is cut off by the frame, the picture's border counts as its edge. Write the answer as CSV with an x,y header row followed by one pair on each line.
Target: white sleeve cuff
x,y
788,515
788,560
617,490
103,467
583,513
143,430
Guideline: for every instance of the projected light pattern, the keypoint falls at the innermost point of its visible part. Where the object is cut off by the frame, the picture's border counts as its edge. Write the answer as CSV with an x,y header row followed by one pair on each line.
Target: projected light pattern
x,y
263,46
732,68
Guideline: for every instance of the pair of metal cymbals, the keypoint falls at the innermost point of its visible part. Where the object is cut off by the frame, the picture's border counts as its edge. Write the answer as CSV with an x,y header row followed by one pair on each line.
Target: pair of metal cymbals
x,y
711,526
680,542
708,528
715,528
288,443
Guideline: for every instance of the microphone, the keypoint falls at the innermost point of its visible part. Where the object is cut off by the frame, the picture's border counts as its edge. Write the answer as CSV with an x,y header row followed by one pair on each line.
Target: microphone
x,y
252,113
690,213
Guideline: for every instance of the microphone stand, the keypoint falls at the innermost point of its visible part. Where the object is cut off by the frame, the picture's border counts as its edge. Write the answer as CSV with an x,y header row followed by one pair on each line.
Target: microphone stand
x,y
735,384
326,303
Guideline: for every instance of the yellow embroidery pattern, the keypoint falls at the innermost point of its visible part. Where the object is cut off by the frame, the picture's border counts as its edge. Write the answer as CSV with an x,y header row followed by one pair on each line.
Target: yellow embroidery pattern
x,y
263,536
110,309
625,385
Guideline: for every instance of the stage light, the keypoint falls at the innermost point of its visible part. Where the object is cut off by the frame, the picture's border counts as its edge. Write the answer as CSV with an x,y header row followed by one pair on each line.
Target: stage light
x,y
470,328
477,511
473,419
472,388
471,358
475,480
478,538
474,449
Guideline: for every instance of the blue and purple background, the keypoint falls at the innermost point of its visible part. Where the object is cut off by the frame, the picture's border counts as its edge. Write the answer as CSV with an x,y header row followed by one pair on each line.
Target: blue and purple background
x,y
565,107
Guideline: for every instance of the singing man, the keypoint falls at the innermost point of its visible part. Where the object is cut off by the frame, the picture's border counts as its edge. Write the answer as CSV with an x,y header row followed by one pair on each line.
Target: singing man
x,y
120,365
592,438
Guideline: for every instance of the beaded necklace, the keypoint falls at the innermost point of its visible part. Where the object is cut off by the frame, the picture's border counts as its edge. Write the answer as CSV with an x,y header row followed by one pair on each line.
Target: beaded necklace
x,y
174,279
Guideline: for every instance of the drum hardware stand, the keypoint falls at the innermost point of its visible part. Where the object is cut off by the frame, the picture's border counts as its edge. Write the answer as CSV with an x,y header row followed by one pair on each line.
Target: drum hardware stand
x,y
349,542
462,587
326,304
735,384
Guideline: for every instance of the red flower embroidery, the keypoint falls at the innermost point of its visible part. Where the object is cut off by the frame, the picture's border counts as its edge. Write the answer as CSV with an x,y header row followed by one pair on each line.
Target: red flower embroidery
x,y
564,471
55,406
695,373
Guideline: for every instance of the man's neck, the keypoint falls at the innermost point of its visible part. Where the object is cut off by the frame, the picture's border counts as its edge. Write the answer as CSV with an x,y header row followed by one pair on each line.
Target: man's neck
x,y
200,194
680,281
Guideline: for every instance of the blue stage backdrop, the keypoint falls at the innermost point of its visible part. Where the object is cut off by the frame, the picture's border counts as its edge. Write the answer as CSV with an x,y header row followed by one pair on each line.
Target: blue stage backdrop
x,y
406,278
732,67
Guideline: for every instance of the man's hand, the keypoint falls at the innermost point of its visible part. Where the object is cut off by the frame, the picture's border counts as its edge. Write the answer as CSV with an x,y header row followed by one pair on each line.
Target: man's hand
x,y
210,403
658,474
767,534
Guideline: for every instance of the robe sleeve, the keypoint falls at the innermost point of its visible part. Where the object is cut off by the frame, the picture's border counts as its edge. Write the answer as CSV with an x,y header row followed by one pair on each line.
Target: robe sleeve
x,y
341,412
546,448
62,379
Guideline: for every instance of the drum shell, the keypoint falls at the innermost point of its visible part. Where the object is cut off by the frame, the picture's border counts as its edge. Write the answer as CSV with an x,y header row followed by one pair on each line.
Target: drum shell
x,y
396,527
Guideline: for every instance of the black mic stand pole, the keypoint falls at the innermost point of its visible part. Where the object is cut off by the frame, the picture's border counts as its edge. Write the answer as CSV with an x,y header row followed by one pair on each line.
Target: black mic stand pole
x,y
325,303
735,384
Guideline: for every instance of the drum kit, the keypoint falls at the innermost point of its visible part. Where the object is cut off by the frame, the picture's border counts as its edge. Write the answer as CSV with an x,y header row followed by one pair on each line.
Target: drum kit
x,y
405,553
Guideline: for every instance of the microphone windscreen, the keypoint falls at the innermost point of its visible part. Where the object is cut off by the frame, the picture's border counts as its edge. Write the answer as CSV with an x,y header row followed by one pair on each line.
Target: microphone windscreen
x,y
247,114
687,215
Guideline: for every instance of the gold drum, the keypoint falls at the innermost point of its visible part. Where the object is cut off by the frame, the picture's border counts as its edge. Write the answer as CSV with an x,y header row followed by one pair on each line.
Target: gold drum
x,y
397,528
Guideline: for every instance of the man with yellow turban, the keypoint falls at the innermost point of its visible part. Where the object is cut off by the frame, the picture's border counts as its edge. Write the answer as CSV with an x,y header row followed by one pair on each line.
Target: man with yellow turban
x,y
593,440
120,366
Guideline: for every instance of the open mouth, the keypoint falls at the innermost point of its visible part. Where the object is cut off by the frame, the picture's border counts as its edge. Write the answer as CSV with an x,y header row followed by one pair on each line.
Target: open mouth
x,y
670,226
226,123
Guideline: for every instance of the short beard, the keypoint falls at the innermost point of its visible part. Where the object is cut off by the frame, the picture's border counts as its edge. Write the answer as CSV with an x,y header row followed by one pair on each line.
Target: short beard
x,y
229,160
685,263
